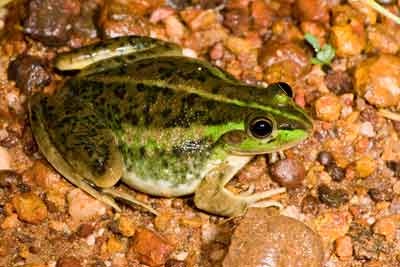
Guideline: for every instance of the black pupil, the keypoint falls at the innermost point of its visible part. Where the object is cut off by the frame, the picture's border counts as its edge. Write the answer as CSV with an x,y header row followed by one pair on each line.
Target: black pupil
x,y
261,128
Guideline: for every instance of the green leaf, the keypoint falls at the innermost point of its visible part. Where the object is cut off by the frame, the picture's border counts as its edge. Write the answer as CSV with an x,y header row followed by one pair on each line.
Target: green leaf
x,y
316,61
326,54
313,41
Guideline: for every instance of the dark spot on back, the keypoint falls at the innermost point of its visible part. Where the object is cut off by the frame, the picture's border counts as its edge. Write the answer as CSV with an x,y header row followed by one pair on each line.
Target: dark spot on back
x,y
148,119
120,92
140,87
201,77
167,92
166,112
210,104
142,151
190,100
166,72
151,97
132,118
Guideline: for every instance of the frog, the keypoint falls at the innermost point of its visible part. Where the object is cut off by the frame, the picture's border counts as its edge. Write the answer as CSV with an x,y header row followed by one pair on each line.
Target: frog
x,y
136,112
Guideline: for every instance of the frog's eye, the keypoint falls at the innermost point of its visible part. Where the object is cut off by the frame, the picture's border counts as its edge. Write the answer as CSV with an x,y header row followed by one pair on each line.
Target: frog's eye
x,y
286,88
261,127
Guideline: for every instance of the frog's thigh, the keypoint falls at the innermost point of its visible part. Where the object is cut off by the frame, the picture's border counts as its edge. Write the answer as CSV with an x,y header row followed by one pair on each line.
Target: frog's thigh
x,y
58,161
211,196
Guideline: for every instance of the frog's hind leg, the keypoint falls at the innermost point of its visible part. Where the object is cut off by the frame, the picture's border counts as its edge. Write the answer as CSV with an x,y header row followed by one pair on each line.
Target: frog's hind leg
x,y
81,148
213,197
55,157
113,53
128,198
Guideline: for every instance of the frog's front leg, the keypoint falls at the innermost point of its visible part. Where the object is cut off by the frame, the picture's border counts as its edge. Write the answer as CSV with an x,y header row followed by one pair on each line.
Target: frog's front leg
x,y
213,197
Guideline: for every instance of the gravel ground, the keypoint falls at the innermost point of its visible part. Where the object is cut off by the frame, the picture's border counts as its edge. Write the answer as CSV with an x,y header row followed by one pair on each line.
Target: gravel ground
x,y
343,182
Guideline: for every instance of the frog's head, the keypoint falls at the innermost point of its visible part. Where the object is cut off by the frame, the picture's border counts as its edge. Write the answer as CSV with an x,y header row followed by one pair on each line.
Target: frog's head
x,y
274,122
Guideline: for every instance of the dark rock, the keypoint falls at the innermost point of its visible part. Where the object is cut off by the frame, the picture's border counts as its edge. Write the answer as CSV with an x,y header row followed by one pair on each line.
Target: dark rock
x,y
309,205
337,173
29,72
381,194
175,263
289,173
85,230
338,82
394,166
9,178
332,197
325,158
55,22
49,21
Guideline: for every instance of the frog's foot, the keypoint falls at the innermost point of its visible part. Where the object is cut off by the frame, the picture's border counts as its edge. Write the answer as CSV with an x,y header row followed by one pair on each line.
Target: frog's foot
x,y
128,198
276,156
213,197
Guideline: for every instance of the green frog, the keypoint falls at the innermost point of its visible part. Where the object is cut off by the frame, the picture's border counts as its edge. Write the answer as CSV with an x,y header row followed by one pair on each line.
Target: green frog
x,y
141,113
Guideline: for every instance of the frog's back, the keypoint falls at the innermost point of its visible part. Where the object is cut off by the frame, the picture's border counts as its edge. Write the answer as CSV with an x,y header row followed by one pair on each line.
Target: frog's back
x,y
162,127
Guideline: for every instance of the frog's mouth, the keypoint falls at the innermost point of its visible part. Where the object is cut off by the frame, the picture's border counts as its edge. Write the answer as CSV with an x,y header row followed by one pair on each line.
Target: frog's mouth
x,y
284,139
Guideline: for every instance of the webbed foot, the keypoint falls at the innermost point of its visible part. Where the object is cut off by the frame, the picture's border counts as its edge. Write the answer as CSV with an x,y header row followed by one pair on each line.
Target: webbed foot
x,y
129,199
213,197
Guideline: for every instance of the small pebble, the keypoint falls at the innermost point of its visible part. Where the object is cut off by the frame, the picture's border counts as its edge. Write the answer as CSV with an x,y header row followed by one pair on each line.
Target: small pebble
x,y
387,226
376,79
125,226
5,159
328,108
309,205
325,158
216,255
10,222
381,194
332,197
9,139
113,245
394,166
151,248
83,207
365,167
367,129
163,221
175,263
344,247
29,72
338,82
396,188
335,172
85,230
289,173
68,262
30,208
9,177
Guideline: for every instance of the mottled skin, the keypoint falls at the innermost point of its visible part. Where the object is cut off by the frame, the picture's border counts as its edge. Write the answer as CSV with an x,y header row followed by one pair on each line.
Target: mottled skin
x,y
167,125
